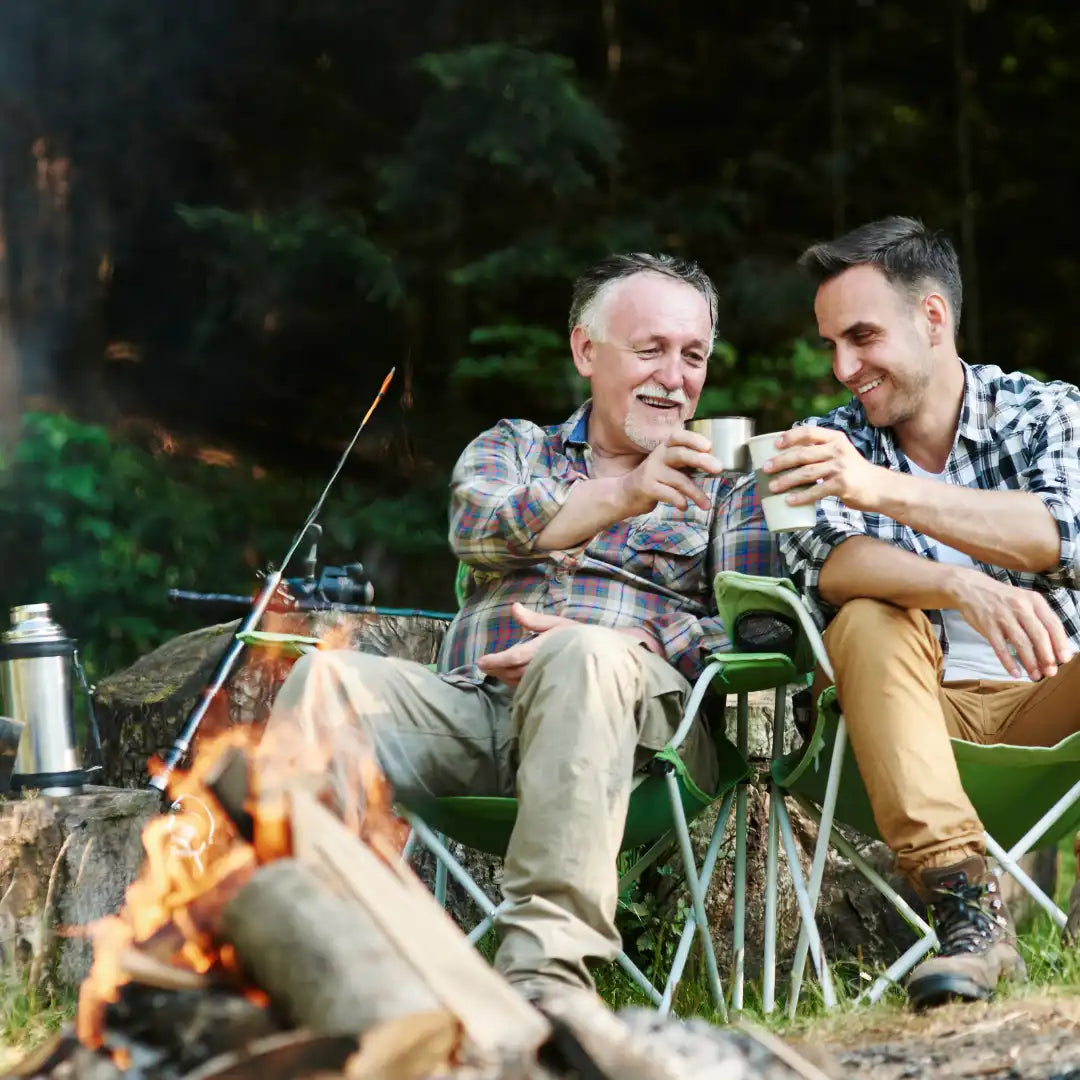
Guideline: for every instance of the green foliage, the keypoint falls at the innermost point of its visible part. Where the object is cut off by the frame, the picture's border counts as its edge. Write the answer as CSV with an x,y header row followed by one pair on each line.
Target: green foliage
x,y
502,108
277,264
776,390
528,361
102,527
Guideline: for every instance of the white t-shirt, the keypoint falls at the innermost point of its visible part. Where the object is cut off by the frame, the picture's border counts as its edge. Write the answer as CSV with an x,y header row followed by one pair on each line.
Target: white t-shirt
x,y
971,656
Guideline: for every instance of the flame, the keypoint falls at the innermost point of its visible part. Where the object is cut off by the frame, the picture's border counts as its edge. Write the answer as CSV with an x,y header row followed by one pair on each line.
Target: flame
x,y
197,859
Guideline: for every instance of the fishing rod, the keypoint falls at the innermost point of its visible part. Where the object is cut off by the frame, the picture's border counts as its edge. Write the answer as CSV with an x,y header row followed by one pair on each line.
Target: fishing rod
x,y
182,743
234,600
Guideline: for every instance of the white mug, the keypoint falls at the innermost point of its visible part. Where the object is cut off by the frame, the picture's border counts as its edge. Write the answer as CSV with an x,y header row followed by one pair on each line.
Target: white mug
x,y
780,516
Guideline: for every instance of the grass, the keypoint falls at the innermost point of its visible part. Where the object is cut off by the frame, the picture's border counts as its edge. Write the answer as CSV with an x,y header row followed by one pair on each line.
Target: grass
x,y
28,1017
1053,968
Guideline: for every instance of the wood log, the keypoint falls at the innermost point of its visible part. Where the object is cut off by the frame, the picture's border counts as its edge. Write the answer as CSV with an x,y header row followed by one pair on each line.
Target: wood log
x,y
495,1018
64,863
322,958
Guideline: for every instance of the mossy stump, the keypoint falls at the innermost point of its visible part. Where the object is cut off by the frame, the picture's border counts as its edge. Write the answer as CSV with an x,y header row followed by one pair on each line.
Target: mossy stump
x,y
63,864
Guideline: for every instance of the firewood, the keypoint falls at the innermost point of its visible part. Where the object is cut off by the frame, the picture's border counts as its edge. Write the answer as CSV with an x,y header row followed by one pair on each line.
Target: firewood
x,y
409,1048
292,1054
322,958
495,1017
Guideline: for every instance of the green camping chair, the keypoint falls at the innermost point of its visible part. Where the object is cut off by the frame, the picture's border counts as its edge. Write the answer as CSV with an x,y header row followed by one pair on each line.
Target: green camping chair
x,y
661,806
1026,797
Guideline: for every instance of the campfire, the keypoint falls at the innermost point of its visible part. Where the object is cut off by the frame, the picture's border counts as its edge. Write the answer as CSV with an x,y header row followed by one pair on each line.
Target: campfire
x,y
275,932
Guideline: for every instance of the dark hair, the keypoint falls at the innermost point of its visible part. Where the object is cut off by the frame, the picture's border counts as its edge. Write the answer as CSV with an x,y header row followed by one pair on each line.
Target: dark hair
x,y
594,281
902,248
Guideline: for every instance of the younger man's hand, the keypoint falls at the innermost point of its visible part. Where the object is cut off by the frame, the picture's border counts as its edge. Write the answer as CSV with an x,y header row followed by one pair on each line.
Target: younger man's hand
x,y
1021,618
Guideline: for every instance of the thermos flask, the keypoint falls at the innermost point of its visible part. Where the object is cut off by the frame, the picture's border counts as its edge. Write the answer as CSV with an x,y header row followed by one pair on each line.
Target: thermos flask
x,y
36,663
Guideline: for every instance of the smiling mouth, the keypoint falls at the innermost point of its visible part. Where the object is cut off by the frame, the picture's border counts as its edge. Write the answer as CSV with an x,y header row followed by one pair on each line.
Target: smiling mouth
x,y
660,404
867,387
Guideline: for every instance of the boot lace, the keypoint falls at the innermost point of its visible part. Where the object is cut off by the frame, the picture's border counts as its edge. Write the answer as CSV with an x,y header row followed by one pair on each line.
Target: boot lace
x,y
965,918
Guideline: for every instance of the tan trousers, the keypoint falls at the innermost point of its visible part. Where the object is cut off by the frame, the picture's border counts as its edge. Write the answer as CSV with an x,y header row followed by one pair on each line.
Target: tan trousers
x,y
888,667
591,706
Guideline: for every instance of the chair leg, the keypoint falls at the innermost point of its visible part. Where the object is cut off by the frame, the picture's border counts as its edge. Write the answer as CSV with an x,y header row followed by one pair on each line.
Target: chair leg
x,y
1009,864
686,939
768,990
738,937
440,878
444,856
821,851
927,939
806,910
409,848
697,894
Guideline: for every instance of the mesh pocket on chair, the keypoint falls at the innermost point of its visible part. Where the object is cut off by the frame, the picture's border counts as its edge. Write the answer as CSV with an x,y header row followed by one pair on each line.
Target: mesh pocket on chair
x,y
765,631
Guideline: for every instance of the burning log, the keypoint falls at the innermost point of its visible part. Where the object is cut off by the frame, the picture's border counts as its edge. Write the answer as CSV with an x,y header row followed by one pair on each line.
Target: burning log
x,y
314,953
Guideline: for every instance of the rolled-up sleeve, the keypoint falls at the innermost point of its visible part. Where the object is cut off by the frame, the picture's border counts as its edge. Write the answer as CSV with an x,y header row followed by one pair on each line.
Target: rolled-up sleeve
x,y
1053,473
805,553
497,509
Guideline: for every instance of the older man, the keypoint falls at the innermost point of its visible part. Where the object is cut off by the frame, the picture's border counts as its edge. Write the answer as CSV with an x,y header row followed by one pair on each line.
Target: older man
x,y
946,560
591,548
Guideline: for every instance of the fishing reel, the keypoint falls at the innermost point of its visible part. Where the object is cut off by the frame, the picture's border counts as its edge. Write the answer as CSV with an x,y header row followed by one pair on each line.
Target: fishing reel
x,y
347,584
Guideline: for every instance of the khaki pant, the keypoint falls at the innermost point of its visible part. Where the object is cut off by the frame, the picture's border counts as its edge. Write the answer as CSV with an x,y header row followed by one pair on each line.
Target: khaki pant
x,y
888,667
591,706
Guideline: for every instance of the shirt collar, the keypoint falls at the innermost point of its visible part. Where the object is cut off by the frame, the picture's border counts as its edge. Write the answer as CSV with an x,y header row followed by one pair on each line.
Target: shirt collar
x,y
575,430
974,423
975,411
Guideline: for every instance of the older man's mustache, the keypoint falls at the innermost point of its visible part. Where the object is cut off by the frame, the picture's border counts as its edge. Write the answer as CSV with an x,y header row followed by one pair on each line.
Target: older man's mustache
x,y
656,392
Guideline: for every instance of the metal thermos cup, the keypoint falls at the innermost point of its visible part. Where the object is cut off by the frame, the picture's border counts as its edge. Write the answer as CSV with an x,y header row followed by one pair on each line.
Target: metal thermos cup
x,y
729,436
36,662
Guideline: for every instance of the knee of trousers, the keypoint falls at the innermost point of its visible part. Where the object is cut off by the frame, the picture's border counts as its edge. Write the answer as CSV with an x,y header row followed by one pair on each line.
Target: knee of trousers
x,y
571,649
326,677
869,632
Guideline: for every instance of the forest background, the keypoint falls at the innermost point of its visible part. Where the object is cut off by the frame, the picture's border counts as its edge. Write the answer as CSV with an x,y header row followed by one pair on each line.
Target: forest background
x,y
223,221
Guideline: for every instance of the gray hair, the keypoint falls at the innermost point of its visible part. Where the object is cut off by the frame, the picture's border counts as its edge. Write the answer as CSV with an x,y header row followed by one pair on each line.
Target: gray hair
x,y
908,253
594,287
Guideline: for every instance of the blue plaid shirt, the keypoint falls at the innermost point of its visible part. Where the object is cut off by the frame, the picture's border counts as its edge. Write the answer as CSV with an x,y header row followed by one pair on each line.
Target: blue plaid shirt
x,y
654,571
1015,434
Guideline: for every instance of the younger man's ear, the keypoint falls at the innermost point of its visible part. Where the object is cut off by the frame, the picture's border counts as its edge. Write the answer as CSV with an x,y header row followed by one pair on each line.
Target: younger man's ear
x,y
938,318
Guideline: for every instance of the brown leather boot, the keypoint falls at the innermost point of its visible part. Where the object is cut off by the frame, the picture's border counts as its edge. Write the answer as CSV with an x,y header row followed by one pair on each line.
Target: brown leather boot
x,y
976,937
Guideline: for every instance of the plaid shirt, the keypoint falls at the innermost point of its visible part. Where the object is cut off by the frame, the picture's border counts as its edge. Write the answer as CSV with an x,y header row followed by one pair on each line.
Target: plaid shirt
x,y
1015,434
654,571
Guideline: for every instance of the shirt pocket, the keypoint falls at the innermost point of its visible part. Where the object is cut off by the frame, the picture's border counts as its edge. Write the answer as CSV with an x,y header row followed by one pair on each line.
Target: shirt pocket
x,y
669,553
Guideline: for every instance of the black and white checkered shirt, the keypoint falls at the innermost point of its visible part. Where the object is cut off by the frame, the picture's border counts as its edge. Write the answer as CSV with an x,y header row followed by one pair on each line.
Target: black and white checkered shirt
x,y
1015,434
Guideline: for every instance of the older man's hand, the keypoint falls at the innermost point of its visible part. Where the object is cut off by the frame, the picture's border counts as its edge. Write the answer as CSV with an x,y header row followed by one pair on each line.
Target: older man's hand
x,y
509,665
661,476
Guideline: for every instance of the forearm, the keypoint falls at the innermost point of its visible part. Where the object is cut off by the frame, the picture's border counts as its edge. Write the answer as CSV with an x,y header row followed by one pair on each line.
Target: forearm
x,y
1010,529
591,507
874,569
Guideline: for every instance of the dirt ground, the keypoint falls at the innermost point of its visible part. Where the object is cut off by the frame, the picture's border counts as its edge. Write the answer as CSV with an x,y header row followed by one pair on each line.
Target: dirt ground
x,y
1020,1038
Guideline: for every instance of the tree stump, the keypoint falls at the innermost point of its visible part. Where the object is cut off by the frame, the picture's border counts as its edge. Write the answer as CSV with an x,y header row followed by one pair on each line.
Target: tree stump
x,y
64,863
141,709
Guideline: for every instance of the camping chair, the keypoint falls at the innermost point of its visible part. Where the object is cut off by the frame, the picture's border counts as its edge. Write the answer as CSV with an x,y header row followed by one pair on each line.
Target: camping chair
x,y
1026,797
662,803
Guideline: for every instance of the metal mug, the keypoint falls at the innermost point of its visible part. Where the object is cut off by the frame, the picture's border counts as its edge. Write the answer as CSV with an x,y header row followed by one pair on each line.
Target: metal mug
x,y
36,661
729,436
